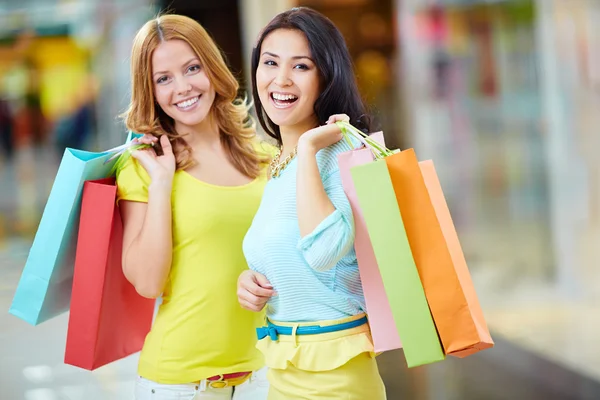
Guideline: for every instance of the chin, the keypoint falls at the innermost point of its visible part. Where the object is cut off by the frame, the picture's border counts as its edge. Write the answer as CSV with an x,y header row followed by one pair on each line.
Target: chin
x,y
281,120
191,120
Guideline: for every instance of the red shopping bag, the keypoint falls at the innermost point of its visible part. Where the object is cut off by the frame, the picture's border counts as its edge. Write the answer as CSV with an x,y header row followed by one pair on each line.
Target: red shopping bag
x,y
109,320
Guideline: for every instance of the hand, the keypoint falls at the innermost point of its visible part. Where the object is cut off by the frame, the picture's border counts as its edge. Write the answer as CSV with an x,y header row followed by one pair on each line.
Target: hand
x,y
337,117
146,139
160,168
322,136
254,290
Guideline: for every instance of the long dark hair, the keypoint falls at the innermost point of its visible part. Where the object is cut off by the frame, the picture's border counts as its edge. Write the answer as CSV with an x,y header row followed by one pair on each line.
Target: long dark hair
x,y
328,49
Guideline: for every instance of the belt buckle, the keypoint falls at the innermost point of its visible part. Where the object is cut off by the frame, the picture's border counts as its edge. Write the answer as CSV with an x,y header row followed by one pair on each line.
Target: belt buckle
x,y
218,383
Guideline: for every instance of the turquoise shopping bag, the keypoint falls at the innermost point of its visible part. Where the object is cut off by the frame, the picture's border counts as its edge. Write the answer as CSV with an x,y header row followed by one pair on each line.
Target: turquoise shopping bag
x,y
44,290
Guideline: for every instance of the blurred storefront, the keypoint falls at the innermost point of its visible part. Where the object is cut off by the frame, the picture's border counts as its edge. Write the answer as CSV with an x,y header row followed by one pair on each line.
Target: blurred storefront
x,y
63,81
504,97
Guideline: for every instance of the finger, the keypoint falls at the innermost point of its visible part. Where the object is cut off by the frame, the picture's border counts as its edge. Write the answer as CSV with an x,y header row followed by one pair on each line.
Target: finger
x,y
261,292
338,117
245,305
250,298
144,154
137,154
262,280
145,157
256,290
166,145
146,139
333,129
249,306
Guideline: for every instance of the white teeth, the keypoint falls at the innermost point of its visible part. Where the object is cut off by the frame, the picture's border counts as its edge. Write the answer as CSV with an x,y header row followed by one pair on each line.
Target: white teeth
x,y
187,103
284,97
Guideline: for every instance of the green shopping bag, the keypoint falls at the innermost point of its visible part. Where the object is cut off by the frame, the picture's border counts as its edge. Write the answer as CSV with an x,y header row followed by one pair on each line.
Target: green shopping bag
x,y
401,280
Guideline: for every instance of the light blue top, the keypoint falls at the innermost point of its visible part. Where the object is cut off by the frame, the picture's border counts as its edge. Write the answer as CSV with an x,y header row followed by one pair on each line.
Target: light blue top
x,y
316,277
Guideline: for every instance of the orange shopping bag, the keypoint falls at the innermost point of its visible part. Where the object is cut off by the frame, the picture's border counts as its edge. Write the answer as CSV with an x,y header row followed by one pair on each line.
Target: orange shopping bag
x,y
438,255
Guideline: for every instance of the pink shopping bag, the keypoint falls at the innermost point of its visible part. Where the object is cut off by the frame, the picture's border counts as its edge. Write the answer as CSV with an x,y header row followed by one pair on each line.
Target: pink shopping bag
x,y
383,329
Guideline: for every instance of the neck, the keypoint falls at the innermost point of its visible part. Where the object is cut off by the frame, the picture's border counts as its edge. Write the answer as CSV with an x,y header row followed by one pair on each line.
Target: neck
x,y
291,134
204,134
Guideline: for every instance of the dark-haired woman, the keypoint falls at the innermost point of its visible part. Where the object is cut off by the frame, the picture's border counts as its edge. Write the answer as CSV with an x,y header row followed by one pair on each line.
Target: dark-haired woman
x,y
317,341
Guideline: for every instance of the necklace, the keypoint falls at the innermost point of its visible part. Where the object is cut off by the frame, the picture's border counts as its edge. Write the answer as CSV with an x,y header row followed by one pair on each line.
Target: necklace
x,y
276,166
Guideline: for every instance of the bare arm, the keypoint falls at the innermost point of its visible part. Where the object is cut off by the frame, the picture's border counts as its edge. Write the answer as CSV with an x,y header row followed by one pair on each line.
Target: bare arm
x,y
147,228
147,241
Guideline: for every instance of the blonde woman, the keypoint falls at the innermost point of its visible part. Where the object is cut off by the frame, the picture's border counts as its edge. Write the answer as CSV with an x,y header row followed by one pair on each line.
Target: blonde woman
x,y
186,206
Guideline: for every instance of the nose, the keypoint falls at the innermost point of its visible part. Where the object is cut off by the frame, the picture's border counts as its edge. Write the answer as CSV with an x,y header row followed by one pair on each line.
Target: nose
x,y
182,86
283,79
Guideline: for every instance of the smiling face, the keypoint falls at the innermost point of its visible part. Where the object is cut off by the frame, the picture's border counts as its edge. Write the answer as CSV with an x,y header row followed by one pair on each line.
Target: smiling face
x,y
287,80
181,86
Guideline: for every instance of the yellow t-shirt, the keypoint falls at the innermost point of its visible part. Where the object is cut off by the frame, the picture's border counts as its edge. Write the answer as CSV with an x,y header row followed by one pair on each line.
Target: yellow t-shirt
x,y
200,329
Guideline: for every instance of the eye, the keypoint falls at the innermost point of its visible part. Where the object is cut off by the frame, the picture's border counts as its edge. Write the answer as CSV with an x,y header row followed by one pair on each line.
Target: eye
x,y
162,79
194,68
301,66
270,63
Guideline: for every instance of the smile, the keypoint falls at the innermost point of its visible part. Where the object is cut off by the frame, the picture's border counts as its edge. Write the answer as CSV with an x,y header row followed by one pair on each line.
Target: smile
x,y
283,100
187,104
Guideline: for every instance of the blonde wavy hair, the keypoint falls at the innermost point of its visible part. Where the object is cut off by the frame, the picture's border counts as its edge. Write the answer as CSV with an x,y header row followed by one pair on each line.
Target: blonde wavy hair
x,y
144,115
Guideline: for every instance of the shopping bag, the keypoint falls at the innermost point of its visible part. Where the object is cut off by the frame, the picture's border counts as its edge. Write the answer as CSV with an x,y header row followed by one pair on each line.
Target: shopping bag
x,y
405,293
381,321
44,290
438,255
109,320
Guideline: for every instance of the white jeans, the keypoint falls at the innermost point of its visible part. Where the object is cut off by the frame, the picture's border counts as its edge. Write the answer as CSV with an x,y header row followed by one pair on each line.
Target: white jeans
x,y
255,388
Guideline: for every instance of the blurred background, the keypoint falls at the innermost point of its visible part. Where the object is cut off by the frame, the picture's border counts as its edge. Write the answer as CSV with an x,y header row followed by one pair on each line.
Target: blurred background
x,y
503,95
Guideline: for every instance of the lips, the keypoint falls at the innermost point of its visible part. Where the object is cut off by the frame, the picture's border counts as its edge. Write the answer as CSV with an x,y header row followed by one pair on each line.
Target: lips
x,y
283,100
188,103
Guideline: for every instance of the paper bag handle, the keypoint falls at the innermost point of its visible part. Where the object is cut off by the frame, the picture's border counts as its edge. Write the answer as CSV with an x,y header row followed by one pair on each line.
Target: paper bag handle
x,y
379,151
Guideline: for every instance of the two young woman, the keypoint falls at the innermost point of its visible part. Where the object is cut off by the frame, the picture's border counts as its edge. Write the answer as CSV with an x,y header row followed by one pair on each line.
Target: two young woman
x,y
188,203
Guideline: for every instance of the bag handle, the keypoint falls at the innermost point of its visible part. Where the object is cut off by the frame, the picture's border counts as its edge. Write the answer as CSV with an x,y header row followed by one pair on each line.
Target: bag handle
x,y
122,153
379,151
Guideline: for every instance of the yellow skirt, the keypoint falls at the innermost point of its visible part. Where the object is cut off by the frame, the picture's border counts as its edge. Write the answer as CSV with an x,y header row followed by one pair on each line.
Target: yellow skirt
x,y
336,365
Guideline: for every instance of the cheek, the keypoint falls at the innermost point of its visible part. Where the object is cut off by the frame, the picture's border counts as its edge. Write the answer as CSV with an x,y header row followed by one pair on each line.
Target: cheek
x,y
262,89
262,80
208,89
161,95
310,91
314,87
203,82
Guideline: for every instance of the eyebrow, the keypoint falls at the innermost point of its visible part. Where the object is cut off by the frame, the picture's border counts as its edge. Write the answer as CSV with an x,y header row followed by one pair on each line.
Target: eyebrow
x,y
186,63
293,58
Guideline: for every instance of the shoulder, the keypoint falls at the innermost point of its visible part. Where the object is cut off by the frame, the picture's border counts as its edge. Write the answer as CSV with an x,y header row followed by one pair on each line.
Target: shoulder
x,y
327,158
130,172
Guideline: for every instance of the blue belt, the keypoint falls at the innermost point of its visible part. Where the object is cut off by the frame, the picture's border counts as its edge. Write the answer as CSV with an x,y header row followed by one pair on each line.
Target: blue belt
x,y
273,331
